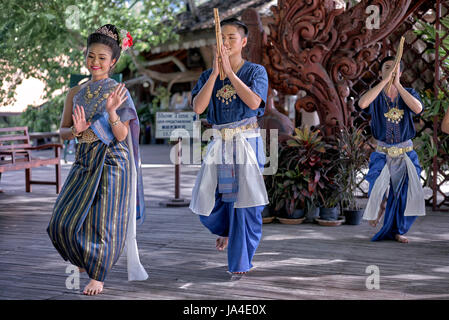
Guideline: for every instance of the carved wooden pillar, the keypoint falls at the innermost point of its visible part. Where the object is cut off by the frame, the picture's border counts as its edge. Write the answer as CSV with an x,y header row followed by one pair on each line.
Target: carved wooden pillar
x,y
257,41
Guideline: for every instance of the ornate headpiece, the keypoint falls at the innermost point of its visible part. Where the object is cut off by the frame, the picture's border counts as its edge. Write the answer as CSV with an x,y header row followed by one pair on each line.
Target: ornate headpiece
x,y
104,30
126,42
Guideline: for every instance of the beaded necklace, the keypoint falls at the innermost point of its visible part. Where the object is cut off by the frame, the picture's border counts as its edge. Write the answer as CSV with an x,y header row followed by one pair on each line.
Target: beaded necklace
x,y
88,96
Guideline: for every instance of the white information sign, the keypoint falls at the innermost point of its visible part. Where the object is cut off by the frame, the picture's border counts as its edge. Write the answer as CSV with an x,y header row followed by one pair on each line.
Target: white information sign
x,y
166,122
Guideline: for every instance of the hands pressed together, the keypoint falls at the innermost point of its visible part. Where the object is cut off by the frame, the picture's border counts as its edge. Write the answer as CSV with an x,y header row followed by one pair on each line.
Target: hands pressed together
x,y
222,59
396,74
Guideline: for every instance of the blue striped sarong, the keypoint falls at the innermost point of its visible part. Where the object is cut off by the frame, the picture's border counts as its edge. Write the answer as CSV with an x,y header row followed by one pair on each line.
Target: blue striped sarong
x,y
227,175
90,218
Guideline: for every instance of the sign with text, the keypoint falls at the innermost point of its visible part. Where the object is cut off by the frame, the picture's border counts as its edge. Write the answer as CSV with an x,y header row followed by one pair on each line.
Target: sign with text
x,y
166,122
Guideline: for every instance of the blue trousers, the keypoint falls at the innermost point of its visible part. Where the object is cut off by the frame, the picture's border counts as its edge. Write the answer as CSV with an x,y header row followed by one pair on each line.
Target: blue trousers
x,y
243,226
394,221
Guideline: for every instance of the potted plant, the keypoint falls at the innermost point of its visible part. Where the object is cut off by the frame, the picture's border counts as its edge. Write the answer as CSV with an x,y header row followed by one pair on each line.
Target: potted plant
x,y
301,164
328,190
352,159
289,201
329,206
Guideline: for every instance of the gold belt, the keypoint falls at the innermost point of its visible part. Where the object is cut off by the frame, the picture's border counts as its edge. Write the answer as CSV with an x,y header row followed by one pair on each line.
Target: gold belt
x,y
228,133
394,151
88,137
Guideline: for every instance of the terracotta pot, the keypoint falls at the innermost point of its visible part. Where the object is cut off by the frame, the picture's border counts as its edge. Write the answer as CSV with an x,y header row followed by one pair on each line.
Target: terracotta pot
x,y
266,220
290,220
331,223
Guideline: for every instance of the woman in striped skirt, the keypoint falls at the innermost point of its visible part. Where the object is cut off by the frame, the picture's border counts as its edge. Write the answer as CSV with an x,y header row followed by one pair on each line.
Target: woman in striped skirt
x,y
102,197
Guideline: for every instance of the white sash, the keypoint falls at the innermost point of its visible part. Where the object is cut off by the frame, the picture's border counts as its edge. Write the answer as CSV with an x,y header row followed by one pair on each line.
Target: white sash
x,y
251,191
136,271
415,195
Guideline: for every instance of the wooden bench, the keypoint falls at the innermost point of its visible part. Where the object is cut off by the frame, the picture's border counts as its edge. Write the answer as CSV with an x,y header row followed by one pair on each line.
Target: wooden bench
x,y
38,136
15,154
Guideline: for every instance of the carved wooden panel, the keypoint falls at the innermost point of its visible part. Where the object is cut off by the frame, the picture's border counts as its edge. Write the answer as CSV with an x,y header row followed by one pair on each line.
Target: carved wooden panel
x,y
314,46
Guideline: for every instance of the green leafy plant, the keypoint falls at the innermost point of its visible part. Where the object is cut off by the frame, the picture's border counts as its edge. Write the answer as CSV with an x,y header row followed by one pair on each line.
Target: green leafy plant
x,y
353,157
435,105
46,39
428,33
147,113
425,146
44,118
331,197
287,191
162,98
302,171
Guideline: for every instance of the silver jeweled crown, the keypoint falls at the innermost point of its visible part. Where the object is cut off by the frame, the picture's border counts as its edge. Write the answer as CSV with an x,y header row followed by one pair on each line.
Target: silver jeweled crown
x,y
104,30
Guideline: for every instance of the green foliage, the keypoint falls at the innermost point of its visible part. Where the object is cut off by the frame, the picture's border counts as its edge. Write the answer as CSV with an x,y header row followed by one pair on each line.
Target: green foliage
x,y
162,98
147,114
425,146
435,107
304,176
46,39
11,121
428,33
45,118
124,62
353,157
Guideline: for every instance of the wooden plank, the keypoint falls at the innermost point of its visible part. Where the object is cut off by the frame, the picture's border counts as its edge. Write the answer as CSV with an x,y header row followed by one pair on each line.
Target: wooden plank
x,y
40,135
292,262
22,164
50,183
8,129
11,147
11,138
286,287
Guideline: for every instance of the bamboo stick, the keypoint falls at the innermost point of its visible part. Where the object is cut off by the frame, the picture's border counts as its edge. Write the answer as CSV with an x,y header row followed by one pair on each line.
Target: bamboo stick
x,y
219,42
396,62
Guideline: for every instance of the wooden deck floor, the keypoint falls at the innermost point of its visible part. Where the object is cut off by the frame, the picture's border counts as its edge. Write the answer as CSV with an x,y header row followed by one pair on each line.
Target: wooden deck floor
x,y
293,262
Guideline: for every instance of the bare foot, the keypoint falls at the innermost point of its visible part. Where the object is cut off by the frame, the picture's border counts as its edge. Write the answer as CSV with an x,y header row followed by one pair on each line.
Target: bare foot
x,y
93,287
81,270
221,243
401,239
373,223
381,212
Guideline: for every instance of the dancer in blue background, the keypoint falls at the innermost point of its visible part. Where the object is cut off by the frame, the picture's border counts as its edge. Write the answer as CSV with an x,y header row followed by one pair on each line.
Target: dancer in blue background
x,y
229,196
394,182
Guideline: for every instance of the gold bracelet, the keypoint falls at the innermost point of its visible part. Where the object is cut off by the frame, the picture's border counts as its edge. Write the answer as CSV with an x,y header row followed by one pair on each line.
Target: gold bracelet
x,y
75,134
113,124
